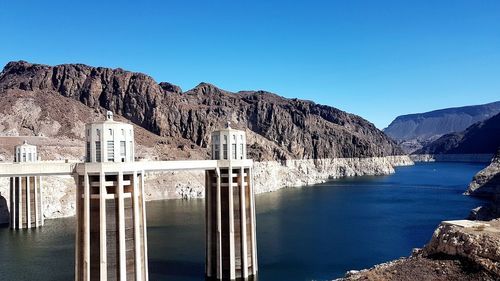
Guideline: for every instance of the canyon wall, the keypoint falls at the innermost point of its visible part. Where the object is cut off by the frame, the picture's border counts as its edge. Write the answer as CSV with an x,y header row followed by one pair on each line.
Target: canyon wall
x,y
277,128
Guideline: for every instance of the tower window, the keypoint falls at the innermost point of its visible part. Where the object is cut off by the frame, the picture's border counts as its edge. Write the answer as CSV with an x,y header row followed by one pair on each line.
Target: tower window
x,y
111,151
98,151
122,148
216,152
131,151
225,151
88,152
233,153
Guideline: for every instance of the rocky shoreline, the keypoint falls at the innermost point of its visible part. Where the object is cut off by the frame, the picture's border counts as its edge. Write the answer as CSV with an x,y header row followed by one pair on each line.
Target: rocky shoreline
x,y
458,250
477,158
272,175
269,176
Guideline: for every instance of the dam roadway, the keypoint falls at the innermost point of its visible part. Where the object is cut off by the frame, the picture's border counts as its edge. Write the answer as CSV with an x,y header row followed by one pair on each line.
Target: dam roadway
x,y
51,168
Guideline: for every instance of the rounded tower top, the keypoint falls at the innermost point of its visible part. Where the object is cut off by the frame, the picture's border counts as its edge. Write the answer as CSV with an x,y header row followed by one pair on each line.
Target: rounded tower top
x,y
25,152
109,141
229,144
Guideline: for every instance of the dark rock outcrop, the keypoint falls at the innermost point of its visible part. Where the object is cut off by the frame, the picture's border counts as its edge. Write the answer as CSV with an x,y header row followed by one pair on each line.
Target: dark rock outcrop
x,y
416,130
278,128
486,184
480,138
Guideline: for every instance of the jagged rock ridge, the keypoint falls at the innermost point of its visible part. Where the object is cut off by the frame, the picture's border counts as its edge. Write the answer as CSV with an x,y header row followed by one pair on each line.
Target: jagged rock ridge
x,y
278,128
480,138
416,130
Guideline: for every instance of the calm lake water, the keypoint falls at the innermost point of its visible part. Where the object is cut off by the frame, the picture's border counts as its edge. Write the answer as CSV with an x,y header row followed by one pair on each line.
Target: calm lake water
x,y
314,233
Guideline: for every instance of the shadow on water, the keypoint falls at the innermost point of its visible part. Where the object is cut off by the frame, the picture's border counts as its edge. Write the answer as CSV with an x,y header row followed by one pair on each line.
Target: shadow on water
x,y
251,278
177,268
4,212
184,269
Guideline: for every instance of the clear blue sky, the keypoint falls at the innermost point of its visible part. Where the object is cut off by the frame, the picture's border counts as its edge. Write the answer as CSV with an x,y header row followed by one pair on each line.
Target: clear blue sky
x,y
377,59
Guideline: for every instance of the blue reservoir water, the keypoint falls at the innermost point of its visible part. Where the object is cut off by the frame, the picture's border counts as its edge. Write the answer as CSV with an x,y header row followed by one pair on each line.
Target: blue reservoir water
x,y
313,233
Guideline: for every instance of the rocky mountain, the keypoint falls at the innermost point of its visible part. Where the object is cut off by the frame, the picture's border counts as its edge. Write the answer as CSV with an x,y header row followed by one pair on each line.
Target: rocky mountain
x,y
480,138
179,122
415,130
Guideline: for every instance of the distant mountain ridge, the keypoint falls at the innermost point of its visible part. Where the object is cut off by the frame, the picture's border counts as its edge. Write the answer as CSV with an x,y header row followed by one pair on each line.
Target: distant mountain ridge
x,y
480,138
413,131
277,128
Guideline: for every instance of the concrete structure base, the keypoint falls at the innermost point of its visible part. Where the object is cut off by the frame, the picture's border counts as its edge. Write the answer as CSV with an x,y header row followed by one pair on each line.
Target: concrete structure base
x,y
26,202
111,240
231,251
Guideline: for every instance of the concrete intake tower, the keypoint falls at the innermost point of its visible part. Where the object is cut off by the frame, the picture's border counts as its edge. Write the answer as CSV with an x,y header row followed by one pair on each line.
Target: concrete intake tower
x,y
26,192
231,250
111,242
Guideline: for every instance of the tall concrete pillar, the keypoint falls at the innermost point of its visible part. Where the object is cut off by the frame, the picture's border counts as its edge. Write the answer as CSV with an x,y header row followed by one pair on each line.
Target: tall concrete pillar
x,y
26,193
231,251
230,224
111,227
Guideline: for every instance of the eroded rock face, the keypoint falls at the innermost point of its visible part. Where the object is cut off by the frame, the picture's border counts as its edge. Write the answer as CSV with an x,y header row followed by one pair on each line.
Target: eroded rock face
x,y
271,175
283,128
479,244
175,185
486,183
